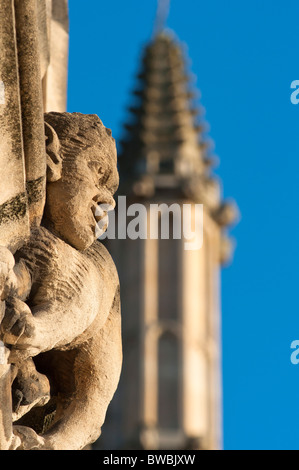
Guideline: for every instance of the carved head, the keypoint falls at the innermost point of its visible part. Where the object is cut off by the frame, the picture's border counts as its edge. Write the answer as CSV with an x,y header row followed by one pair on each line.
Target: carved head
x,y
81,174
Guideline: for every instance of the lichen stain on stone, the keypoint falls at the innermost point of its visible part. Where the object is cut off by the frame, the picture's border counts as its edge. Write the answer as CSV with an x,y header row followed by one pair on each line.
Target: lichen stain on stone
x,y
14,209
35,190
2,93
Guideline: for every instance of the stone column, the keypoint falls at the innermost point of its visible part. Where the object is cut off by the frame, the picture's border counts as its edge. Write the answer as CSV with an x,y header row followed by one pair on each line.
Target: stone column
x,y
14,225
26,13
55,80
22,151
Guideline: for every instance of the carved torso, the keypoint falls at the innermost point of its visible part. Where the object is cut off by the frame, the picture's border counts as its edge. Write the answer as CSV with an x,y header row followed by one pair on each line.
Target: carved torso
x,y
63,276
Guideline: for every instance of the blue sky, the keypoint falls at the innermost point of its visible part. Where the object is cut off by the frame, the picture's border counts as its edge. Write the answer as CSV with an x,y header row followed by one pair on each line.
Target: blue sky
x,y
245,56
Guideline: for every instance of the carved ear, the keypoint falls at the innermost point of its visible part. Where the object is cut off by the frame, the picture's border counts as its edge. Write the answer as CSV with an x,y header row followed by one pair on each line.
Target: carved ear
x,y
54,161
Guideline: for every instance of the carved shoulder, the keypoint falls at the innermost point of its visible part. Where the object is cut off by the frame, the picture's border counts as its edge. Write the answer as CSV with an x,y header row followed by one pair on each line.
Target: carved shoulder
x,y
103,261
58,270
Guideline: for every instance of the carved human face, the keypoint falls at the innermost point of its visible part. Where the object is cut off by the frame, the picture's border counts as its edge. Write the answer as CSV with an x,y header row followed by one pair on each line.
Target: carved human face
x,y
89,179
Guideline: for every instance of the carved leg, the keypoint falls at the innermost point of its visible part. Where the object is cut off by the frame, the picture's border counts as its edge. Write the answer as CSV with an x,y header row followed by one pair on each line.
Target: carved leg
x,y
96,373
29,389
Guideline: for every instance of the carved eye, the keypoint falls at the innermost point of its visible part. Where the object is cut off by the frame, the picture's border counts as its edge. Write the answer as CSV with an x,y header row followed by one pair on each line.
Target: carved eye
x,y
98,172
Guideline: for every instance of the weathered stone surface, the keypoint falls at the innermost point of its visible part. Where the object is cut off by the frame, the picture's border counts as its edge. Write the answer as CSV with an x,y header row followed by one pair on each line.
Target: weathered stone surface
x,y
30,36
5,394
21,125
60,345
14,223
27,31
64,309
55,81
6,282
44,25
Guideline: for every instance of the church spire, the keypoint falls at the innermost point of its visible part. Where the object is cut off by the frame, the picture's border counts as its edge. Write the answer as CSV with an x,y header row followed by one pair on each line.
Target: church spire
x,y
163,139
170,392
164,149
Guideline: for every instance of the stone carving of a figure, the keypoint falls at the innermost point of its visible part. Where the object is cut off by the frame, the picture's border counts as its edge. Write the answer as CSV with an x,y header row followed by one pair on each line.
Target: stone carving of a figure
x,y
62,318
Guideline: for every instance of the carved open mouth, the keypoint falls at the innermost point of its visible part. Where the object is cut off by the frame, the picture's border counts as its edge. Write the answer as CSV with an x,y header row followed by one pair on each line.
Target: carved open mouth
x,y
98,213
98,218
101,219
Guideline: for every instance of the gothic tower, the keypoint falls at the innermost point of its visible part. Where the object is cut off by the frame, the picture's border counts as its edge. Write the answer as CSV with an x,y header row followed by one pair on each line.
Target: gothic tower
x,y
170,391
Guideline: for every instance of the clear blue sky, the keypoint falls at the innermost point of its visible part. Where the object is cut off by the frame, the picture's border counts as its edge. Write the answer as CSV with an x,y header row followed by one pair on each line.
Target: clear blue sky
x,y
245,56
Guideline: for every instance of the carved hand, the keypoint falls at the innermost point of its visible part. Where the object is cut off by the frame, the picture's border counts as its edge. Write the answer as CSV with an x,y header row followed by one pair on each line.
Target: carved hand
x,y
8,279
18,330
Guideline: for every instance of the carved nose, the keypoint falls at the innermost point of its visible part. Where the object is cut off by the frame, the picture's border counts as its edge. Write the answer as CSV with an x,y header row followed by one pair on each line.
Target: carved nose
x,y
106,198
